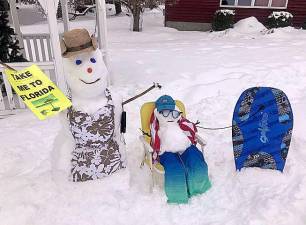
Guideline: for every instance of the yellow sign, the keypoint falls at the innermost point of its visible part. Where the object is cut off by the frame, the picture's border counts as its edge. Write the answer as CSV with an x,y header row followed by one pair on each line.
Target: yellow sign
x,y
37,91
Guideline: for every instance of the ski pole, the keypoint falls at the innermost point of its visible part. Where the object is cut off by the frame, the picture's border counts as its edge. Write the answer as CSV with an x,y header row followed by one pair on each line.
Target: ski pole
x,y
7,66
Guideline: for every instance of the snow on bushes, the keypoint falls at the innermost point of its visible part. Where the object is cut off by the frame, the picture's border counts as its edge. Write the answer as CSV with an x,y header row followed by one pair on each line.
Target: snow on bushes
x,y
223,19
280,19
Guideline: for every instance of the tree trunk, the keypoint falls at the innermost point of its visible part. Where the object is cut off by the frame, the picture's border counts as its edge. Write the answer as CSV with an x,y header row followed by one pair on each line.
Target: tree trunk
x,y
118,7
136,19
59,12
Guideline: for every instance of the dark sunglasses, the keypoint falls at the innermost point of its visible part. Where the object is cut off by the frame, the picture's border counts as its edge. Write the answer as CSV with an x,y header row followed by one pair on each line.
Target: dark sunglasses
x,y
175,113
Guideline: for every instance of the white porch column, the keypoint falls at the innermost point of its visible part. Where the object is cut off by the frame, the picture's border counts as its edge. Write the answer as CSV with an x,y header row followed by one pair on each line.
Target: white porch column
x,y
102,31
55,42
65,15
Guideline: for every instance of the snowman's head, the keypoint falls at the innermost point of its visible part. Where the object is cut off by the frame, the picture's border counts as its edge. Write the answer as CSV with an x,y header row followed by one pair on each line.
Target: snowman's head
x,y
166,117
86,74
166,111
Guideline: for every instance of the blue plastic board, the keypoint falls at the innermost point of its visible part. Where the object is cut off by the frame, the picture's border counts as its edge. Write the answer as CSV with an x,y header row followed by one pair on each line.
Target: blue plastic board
x,y
262,128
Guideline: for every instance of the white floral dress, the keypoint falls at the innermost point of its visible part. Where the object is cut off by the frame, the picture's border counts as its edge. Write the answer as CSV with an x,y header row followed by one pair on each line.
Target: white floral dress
x,y
96,152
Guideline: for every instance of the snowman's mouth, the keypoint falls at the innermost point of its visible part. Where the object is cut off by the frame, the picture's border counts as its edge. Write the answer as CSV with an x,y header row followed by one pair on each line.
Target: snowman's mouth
x,y
170,121
90,82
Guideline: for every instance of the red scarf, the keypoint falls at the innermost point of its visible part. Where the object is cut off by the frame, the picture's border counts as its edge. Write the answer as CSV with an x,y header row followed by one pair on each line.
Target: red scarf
x,y
188,127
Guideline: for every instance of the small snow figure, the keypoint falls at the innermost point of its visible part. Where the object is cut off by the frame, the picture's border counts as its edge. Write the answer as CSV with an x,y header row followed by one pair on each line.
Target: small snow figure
x,y
94,118
173,141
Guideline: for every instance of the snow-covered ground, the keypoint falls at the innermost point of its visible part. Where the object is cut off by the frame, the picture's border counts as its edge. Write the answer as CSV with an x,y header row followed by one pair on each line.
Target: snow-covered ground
x,y
207,71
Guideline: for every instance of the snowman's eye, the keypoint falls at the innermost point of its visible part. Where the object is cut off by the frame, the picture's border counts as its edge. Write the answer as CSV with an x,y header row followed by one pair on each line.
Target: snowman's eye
x,y
93,60
78,62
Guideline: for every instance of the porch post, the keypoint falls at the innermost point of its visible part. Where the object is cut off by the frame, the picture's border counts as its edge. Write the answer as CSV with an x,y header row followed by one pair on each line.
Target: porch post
x,y
55,42
102,31
65,14
16,24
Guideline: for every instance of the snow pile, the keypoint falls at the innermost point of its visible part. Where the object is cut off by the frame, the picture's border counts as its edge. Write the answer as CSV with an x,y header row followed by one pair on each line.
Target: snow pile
x,y
208,75
247,28
283,33
249,25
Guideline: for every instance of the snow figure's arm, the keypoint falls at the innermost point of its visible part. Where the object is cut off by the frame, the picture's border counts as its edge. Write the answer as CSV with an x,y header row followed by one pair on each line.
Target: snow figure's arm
x,y
63,146
117,100
64,121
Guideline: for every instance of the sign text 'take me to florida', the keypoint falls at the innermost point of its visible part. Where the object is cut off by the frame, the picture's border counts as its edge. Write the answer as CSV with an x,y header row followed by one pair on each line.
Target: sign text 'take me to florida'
x,y
37,91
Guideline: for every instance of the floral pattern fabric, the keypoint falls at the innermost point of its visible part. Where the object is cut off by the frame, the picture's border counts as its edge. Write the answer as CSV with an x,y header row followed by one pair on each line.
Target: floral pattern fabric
x,y
96,152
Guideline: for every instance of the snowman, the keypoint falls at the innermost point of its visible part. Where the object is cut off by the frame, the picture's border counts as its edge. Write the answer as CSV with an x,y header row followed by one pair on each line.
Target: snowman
x,y
174,144
91,145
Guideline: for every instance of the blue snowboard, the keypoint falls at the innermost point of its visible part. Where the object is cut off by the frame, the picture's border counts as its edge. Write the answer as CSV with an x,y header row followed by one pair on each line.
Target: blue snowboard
x,y
262,128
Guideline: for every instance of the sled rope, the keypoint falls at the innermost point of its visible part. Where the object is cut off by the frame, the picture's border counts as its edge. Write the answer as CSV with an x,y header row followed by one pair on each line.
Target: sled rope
x,y
227,127
155,85
214,128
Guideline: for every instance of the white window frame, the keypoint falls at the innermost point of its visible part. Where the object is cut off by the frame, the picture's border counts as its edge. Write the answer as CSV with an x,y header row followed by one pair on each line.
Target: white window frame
x,y
252,6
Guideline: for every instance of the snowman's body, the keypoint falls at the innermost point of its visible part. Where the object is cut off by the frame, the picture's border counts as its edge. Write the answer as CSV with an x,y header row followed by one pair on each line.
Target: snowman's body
x,y
172,137
185,170
94,147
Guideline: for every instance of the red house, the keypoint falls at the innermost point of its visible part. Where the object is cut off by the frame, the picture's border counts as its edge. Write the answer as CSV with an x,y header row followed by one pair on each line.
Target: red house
x,y
198,14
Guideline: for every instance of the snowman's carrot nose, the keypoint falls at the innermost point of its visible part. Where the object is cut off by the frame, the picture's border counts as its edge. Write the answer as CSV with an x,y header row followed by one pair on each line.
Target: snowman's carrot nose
x,y
89,70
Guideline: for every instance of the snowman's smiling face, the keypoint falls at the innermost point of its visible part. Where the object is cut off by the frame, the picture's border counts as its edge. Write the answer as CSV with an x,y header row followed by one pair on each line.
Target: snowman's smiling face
x,y
86,74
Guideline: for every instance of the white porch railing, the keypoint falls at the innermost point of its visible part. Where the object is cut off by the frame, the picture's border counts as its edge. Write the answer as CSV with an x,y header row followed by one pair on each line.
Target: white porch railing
x,y
37,47
9,100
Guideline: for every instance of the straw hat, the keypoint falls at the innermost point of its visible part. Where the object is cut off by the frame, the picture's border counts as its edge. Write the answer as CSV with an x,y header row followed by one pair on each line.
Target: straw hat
x,y
77,41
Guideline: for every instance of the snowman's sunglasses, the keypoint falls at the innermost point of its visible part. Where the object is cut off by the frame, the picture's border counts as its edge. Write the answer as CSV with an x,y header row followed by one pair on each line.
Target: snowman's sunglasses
x,y
166,113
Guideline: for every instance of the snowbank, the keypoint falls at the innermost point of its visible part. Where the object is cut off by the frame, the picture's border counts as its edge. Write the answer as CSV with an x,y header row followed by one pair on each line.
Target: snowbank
x,y
249,25
247,28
